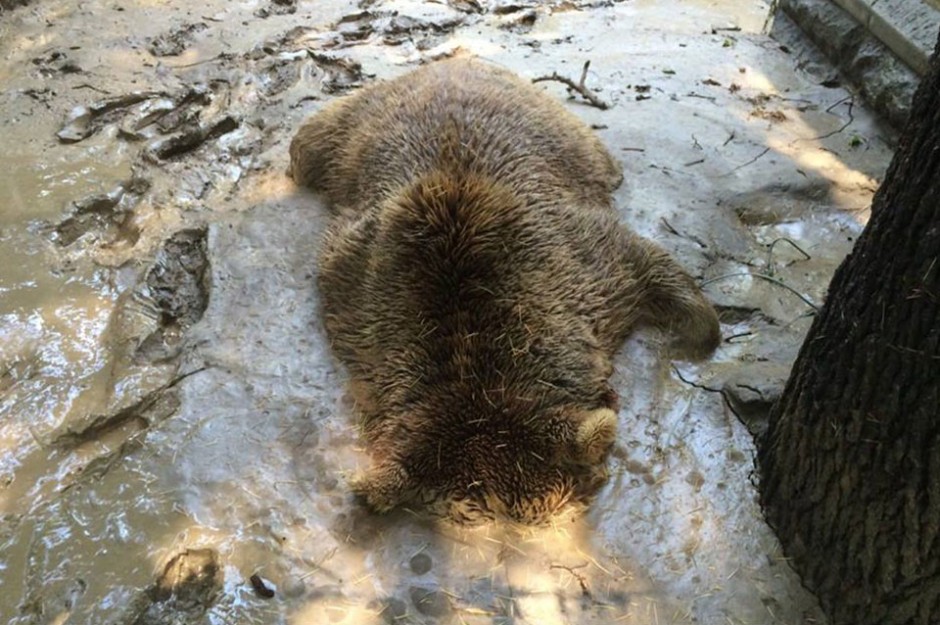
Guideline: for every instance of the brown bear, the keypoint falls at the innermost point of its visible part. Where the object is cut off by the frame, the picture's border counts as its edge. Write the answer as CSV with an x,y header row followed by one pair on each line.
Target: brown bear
x,y
476,281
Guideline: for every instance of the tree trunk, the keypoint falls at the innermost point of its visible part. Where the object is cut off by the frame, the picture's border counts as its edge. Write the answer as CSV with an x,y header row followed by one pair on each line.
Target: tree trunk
x,y
850,466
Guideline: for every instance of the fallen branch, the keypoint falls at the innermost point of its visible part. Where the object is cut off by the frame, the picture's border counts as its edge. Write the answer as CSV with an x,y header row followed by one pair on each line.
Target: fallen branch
x,y
577,87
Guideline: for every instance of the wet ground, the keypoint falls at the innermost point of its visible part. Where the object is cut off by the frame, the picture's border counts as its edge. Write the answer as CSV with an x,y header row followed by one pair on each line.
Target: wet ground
x,y
174,437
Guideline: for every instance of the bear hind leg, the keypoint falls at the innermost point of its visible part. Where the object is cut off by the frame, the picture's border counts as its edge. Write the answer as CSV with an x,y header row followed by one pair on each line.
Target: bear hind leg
x,y
670,300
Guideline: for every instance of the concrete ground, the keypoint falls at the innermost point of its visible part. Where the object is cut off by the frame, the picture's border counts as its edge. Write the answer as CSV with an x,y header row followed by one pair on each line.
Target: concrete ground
x,y
174,436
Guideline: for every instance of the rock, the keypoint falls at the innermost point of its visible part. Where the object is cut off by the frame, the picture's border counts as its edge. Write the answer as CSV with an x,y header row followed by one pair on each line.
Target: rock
x,y
752,391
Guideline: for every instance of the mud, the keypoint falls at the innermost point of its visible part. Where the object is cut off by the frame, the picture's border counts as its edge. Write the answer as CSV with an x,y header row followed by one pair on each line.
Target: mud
x,y
165,386
103,214
186,588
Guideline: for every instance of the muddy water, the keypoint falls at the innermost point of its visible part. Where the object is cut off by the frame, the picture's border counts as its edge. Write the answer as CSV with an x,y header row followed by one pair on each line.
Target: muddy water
x,y
171,422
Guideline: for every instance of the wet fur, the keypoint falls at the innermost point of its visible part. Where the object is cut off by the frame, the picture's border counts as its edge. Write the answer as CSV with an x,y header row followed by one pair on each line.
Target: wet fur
x,y
476,281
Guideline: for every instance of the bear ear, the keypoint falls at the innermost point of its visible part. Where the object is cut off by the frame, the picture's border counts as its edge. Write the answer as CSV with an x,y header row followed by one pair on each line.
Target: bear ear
x,y
384,486
596,434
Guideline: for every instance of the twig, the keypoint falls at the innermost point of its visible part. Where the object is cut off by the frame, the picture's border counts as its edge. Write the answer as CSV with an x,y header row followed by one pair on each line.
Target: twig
x,y
720,391
729,139
803,100
690,237
584,71
753,160
669,226
840,128
182,377
695,384
837,103
579,87
581,581
789,324
71,439
633,149
770,253
692,94
770,279
85,85
697,162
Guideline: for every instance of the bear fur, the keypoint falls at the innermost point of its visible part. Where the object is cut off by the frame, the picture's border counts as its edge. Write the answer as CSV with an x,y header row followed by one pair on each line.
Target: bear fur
x,y
476,281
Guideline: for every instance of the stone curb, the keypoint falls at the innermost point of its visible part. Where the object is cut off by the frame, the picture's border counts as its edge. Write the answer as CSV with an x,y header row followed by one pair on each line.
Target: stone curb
x,y
884,79
908,27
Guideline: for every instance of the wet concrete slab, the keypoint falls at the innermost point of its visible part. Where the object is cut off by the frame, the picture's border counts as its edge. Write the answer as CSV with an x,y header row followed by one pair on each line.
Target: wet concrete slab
x,y
175,438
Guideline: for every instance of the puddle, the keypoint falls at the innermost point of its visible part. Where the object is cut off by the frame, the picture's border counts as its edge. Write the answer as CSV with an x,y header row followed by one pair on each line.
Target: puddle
x,y
175,438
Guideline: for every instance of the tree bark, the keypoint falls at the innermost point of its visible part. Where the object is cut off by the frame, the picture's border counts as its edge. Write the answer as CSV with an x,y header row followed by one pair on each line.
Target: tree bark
x,y
850,465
